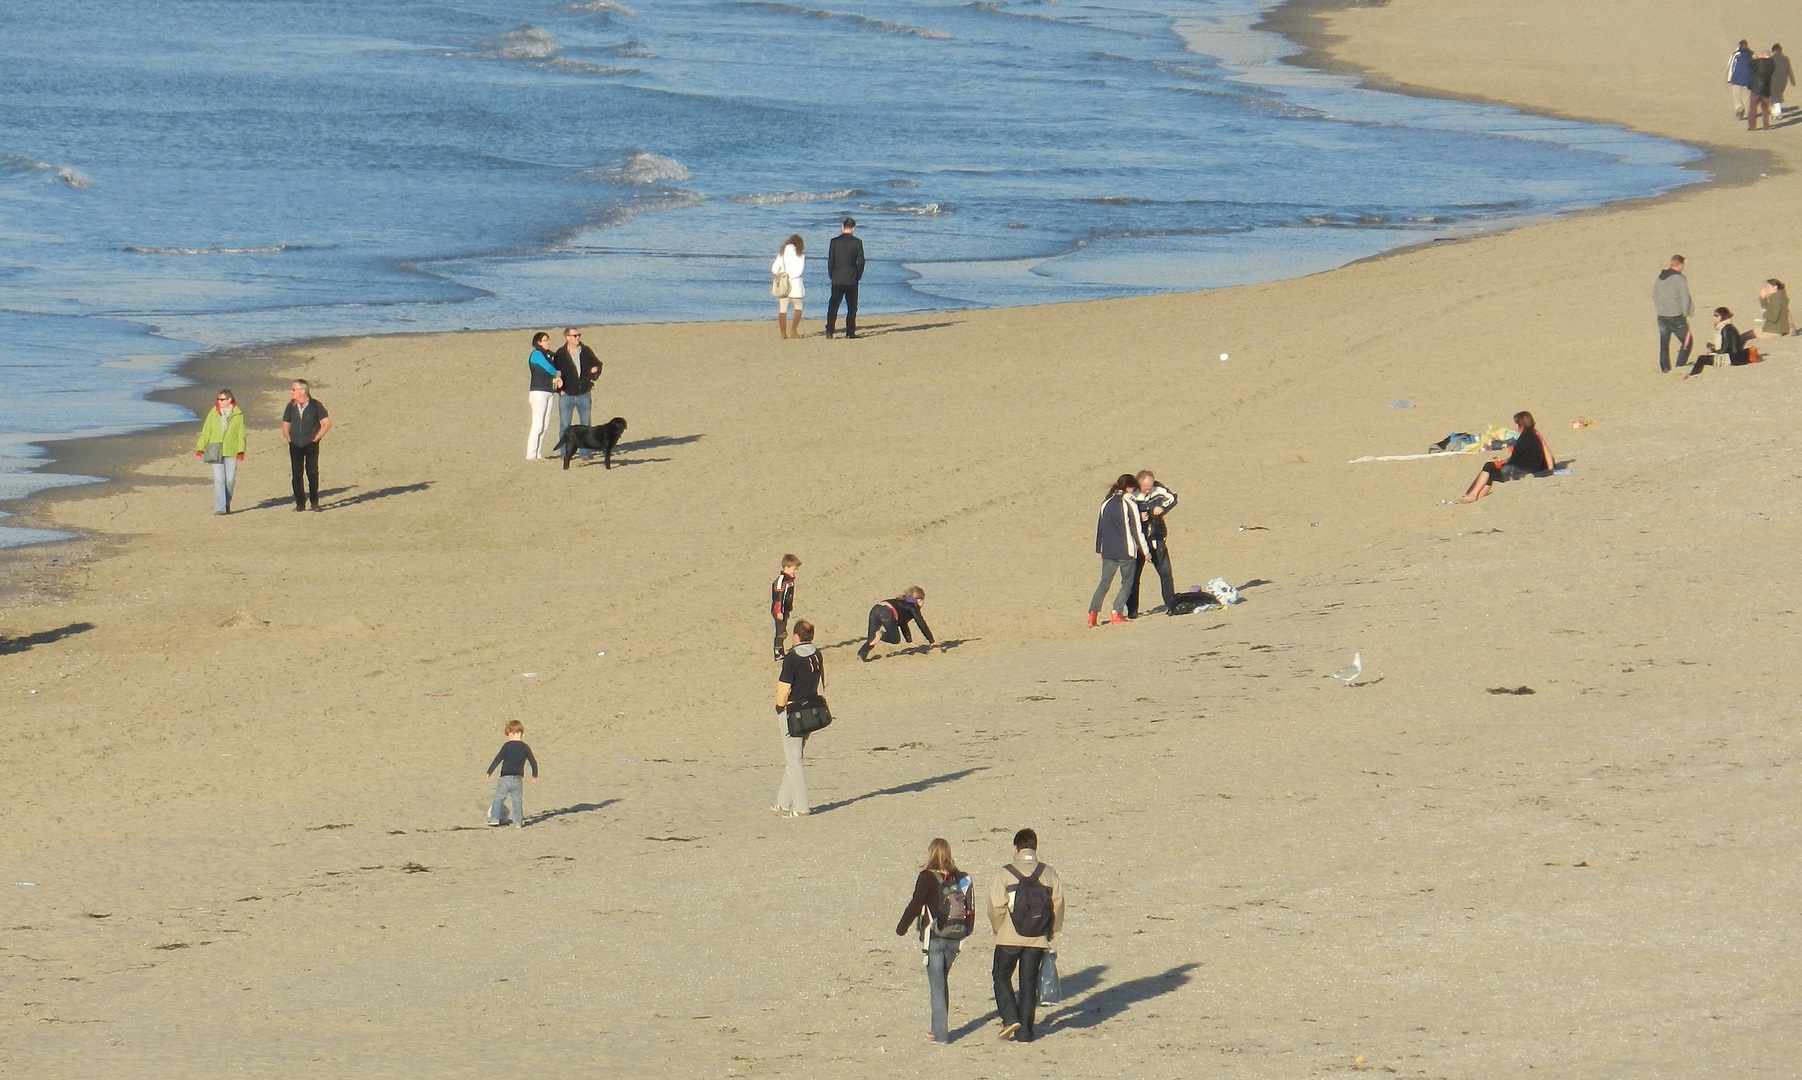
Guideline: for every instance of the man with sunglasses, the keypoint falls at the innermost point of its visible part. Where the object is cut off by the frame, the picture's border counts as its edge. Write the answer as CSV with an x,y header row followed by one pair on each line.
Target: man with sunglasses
x,y
579,368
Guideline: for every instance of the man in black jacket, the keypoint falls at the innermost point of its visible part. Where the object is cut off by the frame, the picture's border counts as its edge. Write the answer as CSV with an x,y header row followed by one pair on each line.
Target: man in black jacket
x,y
844,267
579,368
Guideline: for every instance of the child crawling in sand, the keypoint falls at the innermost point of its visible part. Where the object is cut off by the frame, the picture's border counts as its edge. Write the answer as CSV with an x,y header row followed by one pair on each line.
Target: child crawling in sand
x,y
1531,457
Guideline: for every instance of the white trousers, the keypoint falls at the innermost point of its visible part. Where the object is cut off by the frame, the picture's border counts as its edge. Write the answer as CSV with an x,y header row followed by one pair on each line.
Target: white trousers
x,y
541,421
792,795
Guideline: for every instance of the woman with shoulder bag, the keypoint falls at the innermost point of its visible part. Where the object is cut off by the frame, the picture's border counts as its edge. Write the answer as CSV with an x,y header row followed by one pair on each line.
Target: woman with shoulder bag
x,y
940,913
803,673
785,283
221,445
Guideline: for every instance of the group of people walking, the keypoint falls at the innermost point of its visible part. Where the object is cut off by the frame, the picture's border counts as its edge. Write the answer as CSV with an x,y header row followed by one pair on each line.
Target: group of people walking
x,y
222,444
1132,532
1757,82
566,377
844,269
1673,305
1025,905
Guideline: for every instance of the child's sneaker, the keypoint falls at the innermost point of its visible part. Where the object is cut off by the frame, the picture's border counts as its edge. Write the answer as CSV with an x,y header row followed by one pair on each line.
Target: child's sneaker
x,y
493,823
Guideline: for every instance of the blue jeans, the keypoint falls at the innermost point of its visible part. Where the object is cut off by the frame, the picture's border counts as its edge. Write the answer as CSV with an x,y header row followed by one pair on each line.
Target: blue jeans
x,y
509,787
574,404
225,478
1673,326
941,953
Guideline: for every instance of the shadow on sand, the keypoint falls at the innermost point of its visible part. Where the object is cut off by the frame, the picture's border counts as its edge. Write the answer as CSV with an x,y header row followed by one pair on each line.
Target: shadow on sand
x,y
8,646
903,789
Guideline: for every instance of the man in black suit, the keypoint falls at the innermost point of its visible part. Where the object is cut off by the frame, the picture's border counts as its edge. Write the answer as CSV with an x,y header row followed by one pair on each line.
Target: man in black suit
x,y
844,266
578,368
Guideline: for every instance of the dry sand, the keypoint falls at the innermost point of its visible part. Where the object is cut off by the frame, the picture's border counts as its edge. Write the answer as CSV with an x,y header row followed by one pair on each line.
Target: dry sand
x,y
244,748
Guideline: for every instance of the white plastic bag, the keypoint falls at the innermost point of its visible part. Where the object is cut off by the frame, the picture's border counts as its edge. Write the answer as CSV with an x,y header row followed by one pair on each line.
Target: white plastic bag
x,y
1222,591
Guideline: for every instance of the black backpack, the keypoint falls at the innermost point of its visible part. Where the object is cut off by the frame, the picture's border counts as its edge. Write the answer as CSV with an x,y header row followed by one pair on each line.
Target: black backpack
x,y
1032,904
951,915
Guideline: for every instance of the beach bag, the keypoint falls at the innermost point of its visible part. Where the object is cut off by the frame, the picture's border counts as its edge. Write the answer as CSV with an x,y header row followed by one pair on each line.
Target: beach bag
x,y
952,918
1050,990
1223,591
1190,602
214,453
779,282
1752,356
808,717
1029,904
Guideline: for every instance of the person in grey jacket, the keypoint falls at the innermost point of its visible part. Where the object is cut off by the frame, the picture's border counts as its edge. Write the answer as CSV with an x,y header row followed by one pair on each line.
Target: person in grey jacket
x,y
1670,299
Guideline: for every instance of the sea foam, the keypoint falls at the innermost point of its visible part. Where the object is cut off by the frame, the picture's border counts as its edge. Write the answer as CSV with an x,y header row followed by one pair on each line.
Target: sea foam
x,y
779,198
861,21
644,167
56,174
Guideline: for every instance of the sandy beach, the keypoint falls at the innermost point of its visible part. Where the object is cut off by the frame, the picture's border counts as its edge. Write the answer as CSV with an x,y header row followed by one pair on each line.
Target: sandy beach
x,y
244,747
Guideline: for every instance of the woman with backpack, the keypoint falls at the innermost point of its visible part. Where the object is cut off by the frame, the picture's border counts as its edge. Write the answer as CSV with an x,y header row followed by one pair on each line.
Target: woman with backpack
x,y
940,913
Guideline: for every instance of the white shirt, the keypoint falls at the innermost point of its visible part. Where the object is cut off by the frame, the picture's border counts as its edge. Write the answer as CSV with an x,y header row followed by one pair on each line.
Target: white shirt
x,y
794,262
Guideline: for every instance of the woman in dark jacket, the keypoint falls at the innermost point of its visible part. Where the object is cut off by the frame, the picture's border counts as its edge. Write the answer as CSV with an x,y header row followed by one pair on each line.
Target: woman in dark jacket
x,y
930,916
1119,540
889,619
1729,344
1531,457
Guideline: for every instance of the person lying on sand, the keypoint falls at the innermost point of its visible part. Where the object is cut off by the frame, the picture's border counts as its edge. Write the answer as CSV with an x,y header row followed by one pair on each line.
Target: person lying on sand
x,y
1531,455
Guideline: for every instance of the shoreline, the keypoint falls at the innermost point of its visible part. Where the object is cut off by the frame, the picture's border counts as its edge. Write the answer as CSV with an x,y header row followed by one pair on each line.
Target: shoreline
x,y
120,458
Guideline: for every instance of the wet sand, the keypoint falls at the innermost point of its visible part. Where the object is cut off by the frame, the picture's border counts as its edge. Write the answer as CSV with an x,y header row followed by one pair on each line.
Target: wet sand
x,y
246,747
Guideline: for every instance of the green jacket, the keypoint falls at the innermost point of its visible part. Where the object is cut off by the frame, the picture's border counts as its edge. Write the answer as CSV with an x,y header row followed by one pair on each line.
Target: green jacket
x,y
232,439
1776,313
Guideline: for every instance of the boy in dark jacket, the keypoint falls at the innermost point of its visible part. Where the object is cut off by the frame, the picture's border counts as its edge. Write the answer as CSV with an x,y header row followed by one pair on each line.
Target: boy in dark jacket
x,y
889,619
512,759
782,599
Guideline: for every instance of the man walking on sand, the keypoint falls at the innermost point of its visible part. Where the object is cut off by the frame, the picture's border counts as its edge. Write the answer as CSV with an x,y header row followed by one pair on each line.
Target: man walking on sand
x,y
844,268
1670,299
1026,908
1764,71
579,369
1783,76
304,423
1739,78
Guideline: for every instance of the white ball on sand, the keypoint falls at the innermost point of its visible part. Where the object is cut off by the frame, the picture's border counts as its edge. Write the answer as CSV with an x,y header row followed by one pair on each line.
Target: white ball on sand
x,y
1223,356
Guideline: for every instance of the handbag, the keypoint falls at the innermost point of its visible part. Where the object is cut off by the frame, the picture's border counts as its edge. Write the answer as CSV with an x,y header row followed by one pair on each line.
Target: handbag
x,y
214,453
807,717
1050,992
779,283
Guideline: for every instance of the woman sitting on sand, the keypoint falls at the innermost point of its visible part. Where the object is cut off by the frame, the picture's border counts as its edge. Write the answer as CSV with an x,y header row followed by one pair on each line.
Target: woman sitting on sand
x,y
1531,457
889,619
792,259
1730,344
1776,310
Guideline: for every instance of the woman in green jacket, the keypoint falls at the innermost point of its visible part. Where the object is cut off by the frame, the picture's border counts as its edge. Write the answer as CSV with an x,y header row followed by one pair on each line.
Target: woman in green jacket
x,y
221,445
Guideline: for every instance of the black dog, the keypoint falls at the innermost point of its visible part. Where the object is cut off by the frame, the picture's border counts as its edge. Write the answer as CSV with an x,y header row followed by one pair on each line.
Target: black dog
x,y
602,437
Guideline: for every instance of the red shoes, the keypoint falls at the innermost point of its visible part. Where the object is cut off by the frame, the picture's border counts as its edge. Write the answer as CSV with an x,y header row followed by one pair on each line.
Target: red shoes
x,y
1117,619
1092,616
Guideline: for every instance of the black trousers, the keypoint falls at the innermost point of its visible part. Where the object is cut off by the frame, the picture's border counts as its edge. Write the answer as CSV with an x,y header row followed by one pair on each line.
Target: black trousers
x,y
847,293
881,619
1158,554
305,458
1018,1006
781,633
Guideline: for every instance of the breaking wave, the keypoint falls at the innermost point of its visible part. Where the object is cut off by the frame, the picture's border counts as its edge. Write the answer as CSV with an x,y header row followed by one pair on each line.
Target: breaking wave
x,y
605,5
58,174
206,251
535,43
795,196
644,167
863,21
930,209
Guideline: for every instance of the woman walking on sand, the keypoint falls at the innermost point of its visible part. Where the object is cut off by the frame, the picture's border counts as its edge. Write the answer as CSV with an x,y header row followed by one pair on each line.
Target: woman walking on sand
x,y
940,913
789,264
1119,541
1531,455
221,445
803,673
545,383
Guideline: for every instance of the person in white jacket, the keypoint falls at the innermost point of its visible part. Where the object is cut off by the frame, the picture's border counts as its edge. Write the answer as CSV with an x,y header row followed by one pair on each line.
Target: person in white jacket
x,y
793,260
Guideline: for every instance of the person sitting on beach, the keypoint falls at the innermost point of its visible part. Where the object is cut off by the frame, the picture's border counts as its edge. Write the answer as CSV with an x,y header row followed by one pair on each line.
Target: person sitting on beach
x,y
889,619
1531,457
1775,301
1730,345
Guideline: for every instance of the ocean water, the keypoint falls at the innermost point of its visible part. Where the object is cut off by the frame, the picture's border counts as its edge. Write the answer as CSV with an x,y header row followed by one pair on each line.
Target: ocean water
x,y
185,174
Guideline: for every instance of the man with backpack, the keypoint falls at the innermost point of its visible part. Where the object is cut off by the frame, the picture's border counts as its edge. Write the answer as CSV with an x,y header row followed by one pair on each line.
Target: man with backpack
x,y
1026,908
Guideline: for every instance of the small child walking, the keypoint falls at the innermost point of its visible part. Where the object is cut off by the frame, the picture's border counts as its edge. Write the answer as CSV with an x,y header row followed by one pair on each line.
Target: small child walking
x,y
782,600
513,757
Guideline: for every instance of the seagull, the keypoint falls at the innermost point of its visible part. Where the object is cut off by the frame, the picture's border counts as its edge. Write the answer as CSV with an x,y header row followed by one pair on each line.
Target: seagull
x,y
1349,673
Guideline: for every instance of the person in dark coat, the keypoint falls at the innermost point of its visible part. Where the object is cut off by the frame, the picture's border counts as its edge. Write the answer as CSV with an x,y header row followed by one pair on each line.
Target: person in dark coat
x,y
1764,70
1154,501
889,619
844,268
579,369
1531,457
1119,540
1730,344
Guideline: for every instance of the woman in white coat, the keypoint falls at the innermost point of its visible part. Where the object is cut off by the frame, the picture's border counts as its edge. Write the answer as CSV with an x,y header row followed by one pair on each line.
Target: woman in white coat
x,y
792,260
